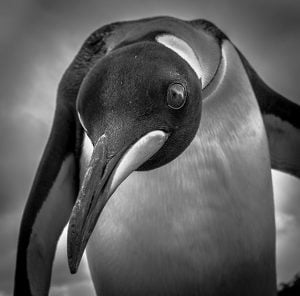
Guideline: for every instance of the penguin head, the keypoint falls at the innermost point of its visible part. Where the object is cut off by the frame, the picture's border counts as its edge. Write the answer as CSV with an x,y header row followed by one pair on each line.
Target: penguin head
x,y
140,106
138,89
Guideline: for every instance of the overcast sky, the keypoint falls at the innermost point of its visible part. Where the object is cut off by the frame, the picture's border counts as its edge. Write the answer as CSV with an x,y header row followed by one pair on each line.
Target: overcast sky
x,y
38,40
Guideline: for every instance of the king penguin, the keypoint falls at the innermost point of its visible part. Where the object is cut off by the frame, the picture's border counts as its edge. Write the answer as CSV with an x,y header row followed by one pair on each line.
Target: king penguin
x,y
160,159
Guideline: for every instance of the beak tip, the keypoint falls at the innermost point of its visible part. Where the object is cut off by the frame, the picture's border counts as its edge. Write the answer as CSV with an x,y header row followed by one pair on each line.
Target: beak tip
x,y
73,264
73,268
73,258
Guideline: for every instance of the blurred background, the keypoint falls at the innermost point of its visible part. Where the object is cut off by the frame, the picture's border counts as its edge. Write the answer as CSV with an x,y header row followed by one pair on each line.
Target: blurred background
x,y
38,40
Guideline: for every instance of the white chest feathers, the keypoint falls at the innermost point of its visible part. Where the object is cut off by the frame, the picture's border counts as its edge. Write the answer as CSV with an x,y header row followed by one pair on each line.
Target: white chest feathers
x,y
172,228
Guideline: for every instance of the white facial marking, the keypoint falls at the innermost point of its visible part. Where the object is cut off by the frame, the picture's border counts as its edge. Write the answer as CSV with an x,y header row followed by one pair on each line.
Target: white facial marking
x,y
81,122
86,154
139,153
182,49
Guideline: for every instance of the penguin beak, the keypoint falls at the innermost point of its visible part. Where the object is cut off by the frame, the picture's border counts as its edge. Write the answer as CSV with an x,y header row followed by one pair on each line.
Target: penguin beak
x,y
103,175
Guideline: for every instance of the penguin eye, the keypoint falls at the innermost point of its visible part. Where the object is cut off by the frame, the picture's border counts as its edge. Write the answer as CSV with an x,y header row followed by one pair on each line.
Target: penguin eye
x,y
176,96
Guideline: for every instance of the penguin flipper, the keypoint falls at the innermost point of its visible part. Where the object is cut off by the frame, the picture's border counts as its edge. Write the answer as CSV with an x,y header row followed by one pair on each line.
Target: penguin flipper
x,y
56,183
48,208
282,122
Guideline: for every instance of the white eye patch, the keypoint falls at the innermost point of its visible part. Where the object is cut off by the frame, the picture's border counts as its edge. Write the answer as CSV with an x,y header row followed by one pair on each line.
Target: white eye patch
x,y
183,50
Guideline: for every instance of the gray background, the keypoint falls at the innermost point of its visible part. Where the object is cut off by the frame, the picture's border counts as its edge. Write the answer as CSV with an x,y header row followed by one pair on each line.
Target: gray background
x,y
38,39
